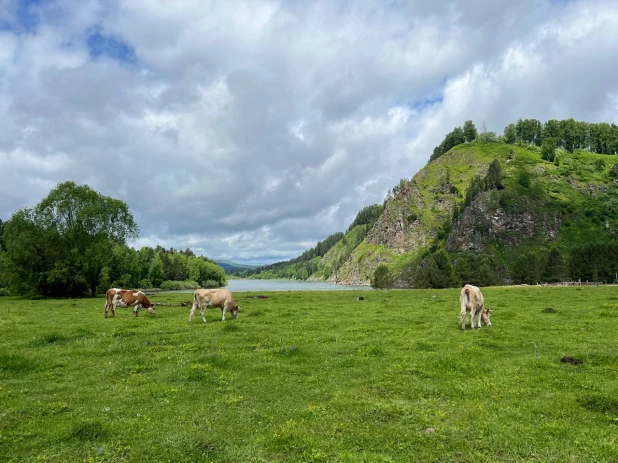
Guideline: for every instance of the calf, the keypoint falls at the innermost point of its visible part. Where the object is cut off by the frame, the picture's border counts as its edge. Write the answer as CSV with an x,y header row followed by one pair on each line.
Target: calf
x,y
116,297
471,300
210,298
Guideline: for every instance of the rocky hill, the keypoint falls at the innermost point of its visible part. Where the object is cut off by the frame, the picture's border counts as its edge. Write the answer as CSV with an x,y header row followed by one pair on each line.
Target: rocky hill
x,y
563,204
488,212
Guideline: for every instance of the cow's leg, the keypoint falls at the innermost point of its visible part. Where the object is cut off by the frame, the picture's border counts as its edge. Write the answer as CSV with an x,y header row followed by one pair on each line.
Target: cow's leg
x,y
106,308
223,310
136,309
193,309
462,318
202,309
113,307
472,318
478,318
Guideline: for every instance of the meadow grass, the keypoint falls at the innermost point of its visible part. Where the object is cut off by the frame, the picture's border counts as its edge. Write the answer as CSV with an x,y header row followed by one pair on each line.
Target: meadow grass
x,y
315,377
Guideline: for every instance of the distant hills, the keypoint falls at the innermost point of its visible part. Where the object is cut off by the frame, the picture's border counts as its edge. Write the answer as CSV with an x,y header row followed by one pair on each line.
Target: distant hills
x,y
539,204
233,267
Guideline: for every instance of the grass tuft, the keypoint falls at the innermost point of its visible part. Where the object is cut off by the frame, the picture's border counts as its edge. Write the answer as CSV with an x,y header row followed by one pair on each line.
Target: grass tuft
x,y
89,431
10,363
600,403
289,351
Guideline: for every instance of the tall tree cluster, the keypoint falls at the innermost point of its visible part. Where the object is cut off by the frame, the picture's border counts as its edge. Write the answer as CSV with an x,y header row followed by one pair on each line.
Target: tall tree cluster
x,y
74,243
568,134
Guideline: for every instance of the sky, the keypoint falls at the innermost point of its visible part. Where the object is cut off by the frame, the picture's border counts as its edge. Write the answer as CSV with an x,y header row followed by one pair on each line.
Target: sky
x,y
251,130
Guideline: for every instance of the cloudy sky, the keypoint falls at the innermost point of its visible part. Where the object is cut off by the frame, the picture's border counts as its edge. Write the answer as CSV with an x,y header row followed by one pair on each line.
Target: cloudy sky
x,y
250,130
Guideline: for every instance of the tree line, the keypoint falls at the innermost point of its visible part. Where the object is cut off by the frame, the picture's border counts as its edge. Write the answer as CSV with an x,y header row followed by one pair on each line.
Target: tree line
x,y
567,134
73,243
593,262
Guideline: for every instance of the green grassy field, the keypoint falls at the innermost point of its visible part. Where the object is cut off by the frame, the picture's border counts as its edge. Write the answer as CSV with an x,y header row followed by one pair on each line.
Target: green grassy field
x,y
314,376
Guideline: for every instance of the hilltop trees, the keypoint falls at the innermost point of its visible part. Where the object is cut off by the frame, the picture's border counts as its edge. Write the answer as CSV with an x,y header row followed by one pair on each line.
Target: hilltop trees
x,y
569,135
469,130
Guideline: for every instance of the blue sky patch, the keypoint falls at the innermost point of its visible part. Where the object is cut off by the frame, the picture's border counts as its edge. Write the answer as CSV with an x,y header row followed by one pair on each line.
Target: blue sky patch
x,y
420,104
112,47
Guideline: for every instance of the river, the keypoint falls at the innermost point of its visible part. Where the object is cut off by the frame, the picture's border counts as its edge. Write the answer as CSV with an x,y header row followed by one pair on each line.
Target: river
x,y
284,285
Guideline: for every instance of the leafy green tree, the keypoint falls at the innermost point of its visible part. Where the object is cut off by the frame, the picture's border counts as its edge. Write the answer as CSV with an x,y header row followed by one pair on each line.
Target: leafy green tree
x,y
59,247
444,275
493,179
548,149
556,268
155,272
552,129
527,268
510,134
382,278
469,130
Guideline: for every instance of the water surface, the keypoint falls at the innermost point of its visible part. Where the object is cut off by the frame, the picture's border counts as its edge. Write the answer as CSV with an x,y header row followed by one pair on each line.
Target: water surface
x,y
284,285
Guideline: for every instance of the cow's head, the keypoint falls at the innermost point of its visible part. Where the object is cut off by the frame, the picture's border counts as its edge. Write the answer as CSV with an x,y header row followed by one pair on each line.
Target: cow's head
x,y
235,311
151,309
485,316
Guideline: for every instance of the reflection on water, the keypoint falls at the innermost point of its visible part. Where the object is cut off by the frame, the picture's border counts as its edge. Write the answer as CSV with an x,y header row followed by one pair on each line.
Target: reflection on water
x,y
284,285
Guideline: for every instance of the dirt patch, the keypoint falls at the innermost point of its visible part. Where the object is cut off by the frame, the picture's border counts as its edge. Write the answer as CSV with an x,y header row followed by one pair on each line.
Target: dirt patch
x,y
571,360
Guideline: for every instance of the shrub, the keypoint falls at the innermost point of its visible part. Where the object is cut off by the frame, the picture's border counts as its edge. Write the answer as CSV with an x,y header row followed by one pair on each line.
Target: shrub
x,y
170,285
144,283
5,292
210,284
524,179
382,278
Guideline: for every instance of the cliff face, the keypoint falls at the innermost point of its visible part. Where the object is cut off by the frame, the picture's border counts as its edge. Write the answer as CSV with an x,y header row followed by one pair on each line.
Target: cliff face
x,y
484,221
399,228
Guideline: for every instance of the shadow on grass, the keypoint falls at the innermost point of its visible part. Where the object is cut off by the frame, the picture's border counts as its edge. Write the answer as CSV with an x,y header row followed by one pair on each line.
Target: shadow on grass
x,y
16,364
89,431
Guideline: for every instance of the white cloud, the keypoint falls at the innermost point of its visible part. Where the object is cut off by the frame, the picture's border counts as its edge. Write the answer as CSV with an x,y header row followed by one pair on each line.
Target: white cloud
x,y
250,130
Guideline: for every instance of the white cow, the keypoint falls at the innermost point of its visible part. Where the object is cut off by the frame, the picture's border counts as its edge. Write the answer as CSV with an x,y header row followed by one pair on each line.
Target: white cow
x,y
210,298
471,300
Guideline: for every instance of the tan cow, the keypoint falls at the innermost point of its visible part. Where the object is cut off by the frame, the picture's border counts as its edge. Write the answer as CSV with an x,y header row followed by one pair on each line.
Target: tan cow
x,y
116,297
471,300
210,298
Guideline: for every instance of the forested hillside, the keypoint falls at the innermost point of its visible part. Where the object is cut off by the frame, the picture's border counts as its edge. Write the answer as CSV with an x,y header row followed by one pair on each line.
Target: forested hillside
x,y
315,262
537,204
74,243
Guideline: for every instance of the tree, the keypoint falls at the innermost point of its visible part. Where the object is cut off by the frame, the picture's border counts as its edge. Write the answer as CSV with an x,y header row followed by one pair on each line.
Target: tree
x,y
555,269
510,134
155,272
493,179
469,130
382,278
60,246
548,149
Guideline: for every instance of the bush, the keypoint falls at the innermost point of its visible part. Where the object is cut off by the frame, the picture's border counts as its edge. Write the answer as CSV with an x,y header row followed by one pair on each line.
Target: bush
x,y
5,292
170,285
524,179
144,283
211,284
382,278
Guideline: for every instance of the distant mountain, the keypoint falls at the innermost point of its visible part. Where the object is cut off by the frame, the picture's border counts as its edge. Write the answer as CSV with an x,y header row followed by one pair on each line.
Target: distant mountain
x,y
232,267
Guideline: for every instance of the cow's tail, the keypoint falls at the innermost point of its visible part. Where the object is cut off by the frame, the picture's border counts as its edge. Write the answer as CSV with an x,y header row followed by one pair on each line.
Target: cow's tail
x,y
195,304
467,291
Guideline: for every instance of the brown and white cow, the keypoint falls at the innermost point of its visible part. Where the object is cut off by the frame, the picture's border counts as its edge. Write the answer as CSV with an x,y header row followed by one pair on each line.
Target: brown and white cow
x,y
471,300
210,298
116,297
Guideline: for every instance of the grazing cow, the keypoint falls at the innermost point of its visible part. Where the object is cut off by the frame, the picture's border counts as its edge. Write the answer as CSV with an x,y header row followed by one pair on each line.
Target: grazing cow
x,y
210,298
471,300
116,297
